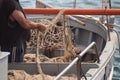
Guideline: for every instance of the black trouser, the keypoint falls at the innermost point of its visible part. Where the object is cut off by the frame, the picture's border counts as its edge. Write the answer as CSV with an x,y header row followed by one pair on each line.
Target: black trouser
x,y
16,52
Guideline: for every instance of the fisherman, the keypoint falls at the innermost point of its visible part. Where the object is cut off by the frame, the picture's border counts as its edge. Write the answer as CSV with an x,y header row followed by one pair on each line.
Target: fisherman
x,y
15,29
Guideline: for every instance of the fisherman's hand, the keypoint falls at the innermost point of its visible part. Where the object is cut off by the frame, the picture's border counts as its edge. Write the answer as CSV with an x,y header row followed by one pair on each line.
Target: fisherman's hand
x,y
41,27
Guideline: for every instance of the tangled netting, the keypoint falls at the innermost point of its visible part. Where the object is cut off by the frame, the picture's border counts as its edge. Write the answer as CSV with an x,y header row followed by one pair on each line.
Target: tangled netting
x,y
22,75
53,38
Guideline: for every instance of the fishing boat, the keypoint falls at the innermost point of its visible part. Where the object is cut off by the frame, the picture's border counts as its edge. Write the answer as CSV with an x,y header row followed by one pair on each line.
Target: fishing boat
x,y
95,39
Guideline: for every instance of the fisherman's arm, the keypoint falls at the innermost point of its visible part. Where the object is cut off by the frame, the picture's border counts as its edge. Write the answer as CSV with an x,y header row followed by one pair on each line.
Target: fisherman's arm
x,y
19,17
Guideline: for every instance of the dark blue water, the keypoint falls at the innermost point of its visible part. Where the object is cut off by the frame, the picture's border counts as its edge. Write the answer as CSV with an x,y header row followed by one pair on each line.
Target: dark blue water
x,y
85,4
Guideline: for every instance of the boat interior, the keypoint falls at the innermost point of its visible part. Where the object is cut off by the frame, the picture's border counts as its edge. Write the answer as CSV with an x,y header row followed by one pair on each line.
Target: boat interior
x,y
92,31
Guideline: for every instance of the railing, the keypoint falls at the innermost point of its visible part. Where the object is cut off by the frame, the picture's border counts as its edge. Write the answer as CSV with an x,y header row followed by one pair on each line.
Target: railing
x,y
72,11
78,60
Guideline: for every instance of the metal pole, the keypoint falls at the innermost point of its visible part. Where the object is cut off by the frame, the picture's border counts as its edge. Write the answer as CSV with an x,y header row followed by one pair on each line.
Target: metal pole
x,y
74,4
74,61
110,5
78,69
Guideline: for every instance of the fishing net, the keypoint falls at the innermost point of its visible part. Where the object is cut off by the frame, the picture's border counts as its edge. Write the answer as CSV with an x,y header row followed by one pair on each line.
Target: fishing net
x,y
22,75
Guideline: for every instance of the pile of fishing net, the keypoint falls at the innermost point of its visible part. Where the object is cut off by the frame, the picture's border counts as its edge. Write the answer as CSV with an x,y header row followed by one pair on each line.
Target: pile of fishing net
x,y
22,75
43,58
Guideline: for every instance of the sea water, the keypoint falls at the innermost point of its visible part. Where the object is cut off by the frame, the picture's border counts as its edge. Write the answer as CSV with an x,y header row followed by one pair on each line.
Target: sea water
x,y
85,4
